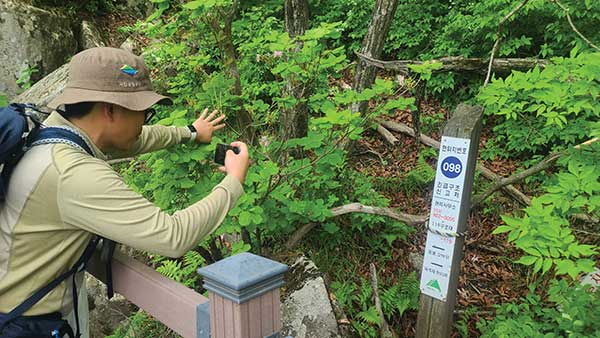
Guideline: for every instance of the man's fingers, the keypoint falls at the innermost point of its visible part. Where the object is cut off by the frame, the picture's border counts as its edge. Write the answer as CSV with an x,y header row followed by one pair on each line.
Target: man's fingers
x,y
219,126
218,119
222,169
203,115
210,117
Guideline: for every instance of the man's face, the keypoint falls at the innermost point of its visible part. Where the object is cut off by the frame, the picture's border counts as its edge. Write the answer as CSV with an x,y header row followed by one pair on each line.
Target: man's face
x,y
126,127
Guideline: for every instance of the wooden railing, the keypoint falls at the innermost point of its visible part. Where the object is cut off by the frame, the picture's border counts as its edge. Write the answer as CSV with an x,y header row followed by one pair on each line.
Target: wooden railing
x,y
243,297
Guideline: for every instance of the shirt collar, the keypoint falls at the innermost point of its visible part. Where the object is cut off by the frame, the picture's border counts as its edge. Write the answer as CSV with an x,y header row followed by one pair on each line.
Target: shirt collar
x,y
55,119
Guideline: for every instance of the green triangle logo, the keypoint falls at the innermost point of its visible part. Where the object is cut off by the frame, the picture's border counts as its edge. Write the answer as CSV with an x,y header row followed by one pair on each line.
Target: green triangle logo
x,y
434,284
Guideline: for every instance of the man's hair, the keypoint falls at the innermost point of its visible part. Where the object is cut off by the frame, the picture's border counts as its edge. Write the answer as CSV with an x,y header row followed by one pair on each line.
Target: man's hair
x,y
77,110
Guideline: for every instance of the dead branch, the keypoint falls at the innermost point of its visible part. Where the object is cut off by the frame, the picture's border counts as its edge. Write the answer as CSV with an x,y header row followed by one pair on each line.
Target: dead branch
x,y
541,166
385,327
566,10
546,163
499,38
387,135
120,160
408,219
458,64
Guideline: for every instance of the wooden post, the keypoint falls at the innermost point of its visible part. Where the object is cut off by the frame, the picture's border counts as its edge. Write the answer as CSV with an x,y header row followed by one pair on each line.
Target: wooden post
x,y
448,222
244,297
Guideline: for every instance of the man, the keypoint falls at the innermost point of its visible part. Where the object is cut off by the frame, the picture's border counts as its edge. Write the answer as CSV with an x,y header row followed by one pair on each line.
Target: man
x,y
59,196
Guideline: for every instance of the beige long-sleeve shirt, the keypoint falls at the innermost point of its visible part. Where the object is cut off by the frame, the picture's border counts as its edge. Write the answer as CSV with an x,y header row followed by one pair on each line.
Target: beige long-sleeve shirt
x,y
59,196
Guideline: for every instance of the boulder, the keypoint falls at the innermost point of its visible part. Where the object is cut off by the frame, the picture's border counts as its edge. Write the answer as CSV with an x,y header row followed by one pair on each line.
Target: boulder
x,y
43,91
90,36
32,37
105,315
307,311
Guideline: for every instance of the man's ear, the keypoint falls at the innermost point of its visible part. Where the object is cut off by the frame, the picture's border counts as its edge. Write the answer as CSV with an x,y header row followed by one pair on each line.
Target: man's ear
x,y
108,111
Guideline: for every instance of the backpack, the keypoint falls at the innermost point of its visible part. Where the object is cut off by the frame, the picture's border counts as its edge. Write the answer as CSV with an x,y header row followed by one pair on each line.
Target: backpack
x,y
20,130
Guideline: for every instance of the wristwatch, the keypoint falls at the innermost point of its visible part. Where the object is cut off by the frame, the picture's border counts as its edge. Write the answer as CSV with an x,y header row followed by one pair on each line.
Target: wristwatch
x,y
194,132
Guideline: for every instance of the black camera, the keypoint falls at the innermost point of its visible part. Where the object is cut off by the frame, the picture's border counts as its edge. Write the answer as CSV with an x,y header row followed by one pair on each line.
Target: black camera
x,y
221,150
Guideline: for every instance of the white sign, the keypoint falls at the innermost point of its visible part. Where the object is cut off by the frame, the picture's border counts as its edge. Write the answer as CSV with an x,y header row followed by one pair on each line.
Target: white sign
x,y
445,208
593,279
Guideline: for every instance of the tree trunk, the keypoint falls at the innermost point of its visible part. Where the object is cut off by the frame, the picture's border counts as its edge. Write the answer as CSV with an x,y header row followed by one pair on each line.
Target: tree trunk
x,y
225,41
372,46
294,121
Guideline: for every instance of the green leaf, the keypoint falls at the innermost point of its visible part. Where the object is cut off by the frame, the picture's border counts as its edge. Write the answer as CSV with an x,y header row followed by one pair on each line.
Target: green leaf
x,y
331,228
501,229
563,266
538,265
198,3
244,218
547,265
186,183
527,260
370,316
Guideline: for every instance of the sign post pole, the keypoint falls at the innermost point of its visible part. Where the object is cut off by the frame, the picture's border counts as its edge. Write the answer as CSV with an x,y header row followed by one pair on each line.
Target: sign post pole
x,y
450,208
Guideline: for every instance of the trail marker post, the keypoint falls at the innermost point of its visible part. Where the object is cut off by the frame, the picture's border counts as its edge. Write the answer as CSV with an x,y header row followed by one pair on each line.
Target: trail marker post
x,y
450,208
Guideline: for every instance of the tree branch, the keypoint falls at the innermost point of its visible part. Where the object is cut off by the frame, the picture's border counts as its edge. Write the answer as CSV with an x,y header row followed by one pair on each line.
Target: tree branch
x,y
499,38
566,10
387,135
408,219
385,327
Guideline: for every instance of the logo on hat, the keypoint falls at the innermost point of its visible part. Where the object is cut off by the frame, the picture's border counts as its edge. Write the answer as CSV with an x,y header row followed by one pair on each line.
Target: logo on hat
x,y
129,70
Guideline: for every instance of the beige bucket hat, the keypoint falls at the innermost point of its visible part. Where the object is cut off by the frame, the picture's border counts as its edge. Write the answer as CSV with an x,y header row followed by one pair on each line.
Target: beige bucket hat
x,y
109,75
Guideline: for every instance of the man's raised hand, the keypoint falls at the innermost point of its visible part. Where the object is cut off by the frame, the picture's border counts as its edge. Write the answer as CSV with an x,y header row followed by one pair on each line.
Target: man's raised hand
x,y
207,125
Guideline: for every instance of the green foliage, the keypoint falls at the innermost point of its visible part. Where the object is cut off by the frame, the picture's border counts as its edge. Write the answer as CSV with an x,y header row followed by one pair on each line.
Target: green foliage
x,y
3,100
571,311
544,232
358,304
462,324
142,325
25,80
181,270
544,110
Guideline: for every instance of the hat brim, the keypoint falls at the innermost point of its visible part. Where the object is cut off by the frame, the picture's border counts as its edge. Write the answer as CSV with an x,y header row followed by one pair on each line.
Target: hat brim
x,y
137,101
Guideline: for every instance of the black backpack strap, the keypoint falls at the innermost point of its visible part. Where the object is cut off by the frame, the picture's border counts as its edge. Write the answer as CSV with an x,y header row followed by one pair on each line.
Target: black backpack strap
x,y
80,265
106,254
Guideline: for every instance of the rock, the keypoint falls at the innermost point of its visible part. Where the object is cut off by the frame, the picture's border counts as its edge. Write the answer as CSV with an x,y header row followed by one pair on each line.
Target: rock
x,y
31,37
105,315
129,45
90,36
416,260
307,312
140,8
